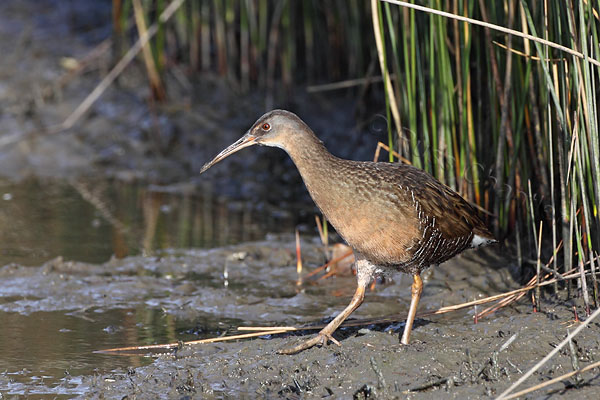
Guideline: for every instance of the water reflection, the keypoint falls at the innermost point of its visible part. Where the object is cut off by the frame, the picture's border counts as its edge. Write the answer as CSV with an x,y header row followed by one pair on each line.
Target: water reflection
x,y
45,352
93,220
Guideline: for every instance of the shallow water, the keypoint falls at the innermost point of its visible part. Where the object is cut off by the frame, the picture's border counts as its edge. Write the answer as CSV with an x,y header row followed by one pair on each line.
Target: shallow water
x,y
47,352
50,327
92,220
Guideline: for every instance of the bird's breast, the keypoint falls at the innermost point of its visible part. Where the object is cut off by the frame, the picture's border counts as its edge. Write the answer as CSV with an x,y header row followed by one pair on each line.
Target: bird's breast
x,y
382,225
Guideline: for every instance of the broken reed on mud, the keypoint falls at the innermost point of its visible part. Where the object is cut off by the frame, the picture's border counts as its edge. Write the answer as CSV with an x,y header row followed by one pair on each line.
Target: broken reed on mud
x,y
484,112
257,331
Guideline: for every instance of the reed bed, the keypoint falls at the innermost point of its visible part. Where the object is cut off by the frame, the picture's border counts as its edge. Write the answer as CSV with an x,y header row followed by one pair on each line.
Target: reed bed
x,y
254,43
509,122
495,99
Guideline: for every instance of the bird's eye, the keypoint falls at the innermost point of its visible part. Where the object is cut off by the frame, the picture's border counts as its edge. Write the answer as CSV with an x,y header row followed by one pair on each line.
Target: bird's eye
x,y
266,127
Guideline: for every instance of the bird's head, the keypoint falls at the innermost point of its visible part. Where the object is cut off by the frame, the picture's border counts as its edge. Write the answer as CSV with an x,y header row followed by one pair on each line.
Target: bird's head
x,y
275,129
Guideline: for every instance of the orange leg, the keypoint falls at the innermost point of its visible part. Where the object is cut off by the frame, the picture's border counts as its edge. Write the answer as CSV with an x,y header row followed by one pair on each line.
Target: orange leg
x,y
325,335
416,290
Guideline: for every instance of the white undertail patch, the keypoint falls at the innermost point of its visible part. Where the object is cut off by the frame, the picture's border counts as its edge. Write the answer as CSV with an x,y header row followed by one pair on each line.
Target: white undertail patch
x,y
479,241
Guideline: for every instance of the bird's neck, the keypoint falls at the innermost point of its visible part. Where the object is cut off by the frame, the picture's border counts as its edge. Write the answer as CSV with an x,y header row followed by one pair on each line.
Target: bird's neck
x,y
310,156
317,167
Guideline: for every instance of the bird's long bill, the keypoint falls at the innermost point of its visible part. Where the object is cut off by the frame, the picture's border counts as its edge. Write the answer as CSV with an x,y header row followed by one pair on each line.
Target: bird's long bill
x,y
244,141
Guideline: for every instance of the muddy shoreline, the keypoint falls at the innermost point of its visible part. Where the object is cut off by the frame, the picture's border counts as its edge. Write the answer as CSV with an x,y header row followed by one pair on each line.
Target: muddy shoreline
x,y
449,356
453,362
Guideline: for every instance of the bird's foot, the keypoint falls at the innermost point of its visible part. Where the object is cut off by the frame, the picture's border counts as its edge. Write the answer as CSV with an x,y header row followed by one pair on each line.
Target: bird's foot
x,y
320,339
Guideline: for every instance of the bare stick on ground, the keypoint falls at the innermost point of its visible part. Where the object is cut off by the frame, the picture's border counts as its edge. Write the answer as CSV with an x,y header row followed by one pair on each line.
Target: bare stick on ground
x,y
504,395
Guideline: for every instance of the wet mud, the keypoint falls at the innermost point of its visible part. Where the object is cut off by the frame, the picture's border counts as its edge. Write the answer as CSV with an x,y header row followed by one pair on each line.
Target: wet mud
x,y
450,356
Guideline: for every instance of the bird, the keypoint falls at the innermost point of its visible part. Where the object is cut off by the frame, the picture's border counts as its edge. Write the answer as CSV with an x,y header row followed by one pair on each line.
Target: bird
x,y
394,216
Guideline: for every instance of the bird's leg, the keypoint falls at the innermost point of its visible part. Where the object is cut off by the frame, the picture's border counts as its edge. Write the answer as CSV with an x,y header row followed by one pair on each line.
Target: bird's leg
x,y
416,290
365,271
325,335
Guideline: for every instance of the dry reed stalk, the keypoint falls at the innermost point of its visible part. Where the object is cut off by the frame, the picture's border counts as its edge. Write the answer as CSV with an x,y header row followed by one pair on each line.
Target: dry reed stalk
x,y
345,84
503,395
527,56
327,275
380,43
552,381
324,266
512,299
496,28
156,85
266,328
538,292
509,300
569,275
322,236
516,297
170,346
298,255
387,148
116,71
